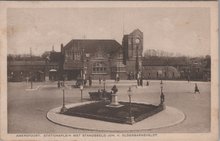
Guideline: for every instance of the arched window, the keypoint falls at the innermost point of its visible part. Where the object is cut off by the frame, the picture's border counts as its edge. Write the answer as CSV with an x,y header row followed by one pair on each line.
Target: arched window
x,y
99,67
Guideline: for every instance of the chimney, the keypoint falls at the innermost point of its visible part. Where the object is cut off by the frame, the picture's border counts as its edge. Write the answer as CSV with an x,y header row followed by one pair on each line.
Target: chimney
x,y
61,47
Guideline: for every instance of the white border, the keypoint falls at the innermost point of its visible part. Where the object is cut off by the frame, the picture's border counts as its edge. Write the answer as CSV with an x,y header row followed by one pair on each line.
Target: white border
x,y
95,4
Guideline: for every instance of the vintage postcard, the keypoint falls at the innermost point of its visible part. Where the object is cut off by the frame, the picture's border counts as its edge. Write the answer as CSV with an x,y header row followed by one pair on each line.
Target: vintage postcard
x,y
109,70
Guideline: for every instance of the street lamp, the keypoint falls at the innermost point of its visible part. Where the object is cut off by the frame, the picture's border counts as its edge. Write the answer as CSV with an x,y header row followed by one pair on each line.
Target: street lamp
x,y
160,74
161,88
81,89
104,83
63,109
162,97
131,118
31,73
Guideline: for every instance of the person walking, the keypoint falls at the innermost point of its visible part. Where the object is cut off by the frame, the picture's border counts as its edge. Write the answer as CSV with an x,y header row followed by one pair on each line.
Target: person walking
x,y
141,81
147,84
196,88
100,80
90,81
58,84
117,77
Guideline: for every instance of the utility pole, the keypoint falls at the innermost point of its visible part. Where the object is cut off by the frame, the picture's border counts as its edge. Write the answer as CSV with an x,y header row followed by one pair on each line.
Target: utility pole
x,y
31,76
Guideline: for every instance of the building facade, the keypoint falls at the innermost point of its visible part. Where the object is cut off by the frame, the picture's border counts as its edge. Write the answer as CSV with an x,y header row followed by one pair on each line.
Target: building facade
x,y
103,59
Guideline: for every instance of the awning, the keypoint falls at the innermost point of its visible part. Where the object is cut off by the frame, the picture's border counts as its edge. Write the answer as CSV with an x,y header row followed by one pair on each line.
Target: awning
x,y
53,70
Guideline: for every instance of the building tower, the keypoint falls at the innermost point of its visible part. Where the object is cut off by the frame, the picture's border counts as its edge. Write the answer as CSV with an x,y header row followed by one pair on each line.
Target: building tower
x,y
133,50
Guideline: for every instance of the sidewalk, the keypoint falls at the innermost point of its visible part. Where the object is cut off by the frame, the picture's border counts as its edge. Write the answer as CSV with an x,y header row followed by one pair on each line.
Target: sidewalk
x,y
168,117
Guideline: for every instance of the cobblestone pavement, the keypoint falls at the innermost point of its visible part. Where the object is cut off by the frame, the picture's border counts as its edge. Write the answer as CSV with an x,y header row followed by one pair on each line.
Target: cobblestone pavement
x,y
27,108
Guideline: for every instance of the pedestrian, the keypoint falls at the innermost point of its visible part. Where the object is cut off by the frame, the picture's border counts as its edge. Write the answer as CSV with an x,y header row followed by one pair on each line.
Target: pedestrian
x,y
196,89
138,79
147,83
58,83
90,81
141,81
117,77
100,80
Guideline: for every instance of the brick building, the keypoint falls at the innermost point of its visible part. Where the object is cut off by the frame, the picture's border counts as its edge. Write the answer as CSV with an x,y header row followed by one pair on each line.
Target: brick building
x,y
103,58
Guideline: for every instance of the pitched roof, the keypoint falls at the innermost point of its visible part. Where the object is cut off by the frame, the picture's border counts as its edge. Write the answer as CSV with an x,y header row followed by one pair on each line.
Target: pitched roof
x,y
93,45
23,63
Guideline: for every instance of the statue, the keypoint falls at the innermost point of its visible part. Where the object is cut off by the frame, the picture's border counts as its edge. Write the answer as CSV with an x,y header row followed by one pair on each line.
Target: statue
x,y
114,98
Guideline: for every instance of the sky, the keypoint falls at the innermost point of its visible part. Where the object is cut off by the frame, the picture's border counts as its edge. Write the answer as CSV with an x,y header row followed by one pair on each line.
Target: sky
x,y
178,30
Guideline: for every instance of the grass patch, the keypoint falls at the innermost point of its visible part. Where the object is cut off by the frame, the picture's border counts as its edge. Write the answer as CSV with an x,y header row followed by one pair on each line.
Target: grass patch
x,y
99,111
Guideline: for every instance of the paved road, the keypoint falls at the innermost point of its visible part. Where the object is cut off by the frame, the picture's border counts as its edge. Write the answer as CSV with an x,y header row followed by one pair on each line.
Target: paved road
x,y
27,108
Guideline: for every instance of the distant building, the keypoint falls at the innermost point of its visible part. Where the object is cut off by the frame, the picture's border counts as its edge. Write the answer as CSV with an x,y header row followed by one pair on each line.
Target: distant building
x,y
157,68
36,70
106,59
26,70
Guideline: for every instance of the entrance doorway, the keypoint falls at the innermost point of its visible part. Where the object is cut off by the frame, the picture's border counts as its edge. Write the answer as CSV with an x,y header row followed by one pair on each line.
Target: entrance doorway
x,y
73,74
53,75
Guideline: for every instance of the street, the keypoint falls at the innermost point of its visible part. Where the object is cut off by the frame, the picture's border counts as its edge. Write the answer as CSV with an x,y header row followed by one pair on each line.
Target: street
x,y
27,108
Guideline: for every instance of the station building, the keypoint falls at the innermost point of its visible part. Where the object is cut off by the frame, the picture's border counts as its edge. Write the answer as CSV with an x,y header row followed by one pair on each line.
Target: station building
x,y
104,59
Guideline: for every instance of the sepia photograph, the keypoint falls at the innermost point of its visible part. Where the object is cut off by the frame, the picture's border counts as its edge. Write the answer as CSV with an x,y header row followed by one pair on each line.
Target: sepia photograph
x,y
108,70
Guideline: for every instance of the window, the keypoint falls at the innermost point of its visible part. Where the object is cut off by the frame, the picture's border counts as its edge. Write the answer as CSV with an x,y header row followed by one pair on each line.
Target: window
x,y
76,56
99,67
120,67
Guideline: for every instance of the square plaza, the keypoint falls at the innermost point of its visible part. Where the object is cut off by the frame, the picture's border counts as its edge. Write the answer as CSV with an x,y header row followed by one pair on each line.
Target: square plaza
x,y
27,108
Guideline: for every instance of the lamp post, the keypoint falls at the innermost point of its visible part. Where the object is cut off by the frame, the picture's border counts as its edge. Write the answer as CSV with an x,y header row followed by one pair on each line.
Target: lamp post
x,y
104,84
63,109
162,97
81,89
161,88
160,72
131,118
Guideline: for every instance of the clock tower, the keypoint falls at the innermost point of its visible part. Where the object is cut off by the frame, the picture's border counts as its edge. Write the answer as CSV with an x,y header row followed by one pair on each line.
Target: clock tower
x,y
133,50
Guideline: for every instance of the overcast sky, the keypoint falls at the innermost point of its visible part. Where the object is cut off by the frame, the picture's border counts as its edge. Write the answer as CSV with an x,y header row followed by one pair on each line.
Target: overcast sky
x,y
177,30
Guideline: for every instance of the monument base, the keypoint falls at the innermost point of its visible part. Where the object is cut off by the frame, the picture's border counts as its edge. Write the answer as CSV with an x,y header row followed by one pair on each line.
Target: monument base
x,y
63,110
130,120
114,102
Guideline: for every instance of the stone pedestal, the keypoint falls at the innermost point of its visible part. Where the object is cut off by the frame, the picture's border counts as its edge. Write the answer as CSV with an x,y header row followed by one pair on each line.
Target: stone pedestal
x,y
130,120
114,101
